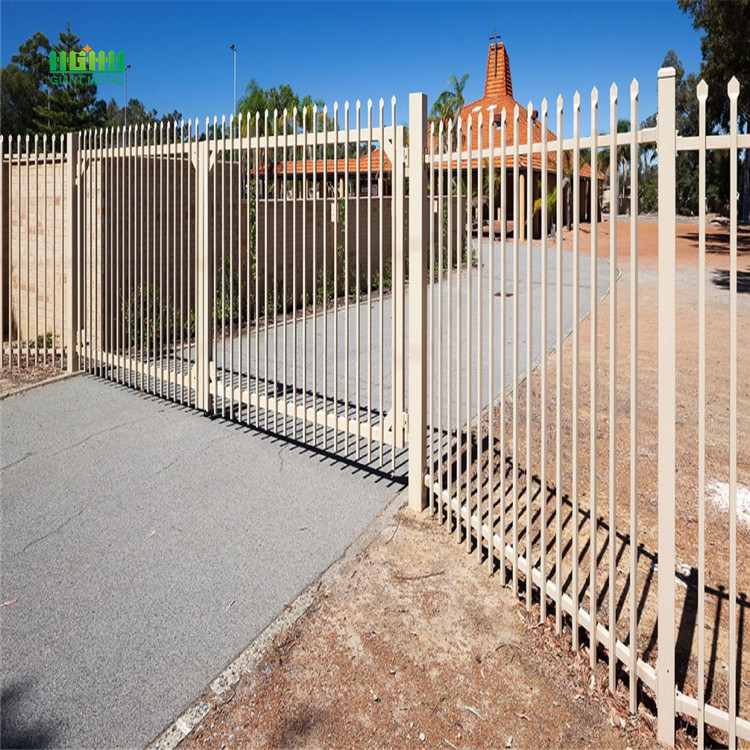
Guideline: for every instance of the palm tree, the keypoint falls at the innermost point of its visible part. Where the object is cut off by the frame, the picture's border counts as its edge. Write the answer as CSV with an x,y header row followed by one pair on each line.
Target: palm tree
x,y
447,107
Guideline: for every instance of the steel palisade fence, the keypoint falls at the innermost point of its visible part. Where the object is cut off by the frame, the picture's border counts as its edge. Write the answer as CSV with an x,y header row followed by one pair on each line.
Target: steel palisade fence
x,y
256,269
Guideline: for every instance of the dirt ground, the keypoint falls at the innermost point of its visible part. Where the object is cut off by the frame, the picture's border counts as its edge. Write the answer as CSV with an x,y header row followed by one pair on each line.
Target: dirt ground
x,y
417,645
414,645
613,531
13,379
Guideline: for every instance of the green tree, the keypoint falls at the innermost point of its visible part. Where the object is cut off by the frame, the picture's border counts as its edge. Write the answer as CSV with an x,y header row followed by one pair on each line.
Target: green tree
x,y
726,53
448,105
24,87
73,106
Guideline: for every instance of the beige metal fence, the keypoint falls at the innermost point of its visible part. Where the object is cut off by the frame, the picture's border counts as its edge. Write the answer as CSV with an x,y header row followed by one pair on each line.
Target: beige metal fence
x,y
537,419
257,270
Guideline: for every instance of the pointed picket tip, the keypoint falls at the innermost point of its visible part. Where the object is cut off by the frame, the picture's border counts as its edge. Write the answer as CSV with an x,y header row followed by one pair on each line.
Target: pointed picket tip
x,y
216,120
393,100
702,90
223,120
381,102
285,114
544,105
530,106
634,87
613,92
516,111
369,104
594,95
577,100
733,87
440,126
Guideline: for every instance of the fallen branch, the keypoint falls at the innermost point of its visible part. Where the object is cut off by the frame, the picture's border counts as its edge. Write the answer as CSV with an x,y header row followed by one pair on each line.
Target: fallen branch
x,y
419,578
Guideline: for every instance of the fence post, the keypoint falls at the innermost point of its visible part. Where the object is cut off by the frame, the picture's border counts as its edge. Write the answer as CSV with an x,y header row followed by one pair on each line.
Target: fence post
x,y
667,148
418,234
203,282
72,254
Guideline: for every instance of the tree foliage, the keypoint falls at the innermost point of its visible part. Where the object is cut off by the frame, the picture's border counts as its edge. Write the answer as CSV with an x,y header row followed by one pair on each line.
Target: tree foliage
x,y
30,103
725,49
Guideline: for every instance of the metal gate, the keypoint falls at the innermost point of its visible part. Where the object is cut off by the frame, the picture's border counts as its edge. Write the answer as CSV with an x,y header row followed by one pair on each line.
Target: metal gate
x,y
253,269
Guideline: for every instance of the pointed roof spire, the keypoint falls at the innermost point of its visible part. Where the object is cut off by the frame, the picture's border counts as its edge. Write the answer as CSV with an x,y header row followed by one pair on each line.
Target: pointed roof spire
x,y
498,81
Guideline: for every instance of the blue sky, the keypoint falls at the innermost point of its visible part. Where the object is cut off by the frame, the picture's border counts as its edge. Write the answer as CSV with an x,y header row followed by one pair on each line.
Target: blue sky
x,y
180,57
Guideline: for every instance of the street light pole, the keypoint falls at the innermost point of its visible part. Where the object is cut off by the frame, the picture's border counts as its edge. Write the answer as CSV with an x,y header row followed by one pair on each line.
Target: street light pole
x,y
233,47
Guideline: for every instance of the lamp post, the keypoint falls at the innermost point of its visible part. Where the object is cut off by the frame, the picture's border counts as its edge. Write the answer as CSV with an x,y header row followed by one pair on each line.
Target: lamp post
x,y
233,47
127,68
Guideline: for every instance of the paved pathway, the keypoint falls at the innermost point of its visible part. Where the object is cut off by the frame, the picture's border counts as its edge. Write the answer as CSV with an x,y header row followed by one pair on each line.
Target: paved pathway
x,y
145,546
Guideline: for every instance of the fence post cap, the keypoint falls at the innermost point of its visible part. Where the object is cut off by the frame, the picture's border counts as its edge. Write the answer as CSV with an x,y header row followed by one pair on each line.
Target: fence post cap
x,y
667,73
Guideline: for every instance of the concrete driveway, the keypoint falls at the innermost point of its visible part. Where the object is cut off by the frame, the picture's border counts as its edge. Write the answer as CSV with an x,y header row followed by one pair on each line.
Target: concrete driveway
x,y
144,546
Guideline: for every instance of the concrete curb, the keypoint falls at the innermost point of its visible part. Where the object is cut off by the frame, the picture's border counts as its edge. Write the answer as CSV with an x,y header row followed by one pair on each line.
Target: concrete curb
x,y
251,656
32,386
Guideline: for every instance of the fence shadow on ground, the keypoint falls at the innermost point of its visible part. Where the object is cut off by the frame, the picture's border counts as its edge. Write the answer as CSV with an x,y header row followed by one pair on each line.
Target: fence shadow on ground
x,y
529,492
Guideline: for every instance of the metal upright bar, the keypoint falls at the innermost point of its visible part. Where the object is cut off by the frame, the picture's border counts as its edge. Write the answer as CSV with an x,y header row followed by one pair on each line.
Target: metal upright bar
x,y
593,363
381,250
232,221
265,272
702,92
315,275
284,383
467,228
28,252
431,320
575,593
224,371
480,335
346,274
491,355
358,283
369,281
516,231
559,365
442,512
324,202
452,454
459,247
614,192
544,353
46,257
418,235
503,331
295,298
335,260
529,339
305,113
667,147
733,90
